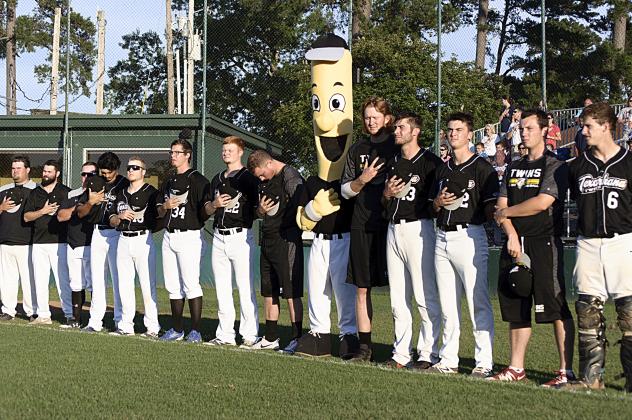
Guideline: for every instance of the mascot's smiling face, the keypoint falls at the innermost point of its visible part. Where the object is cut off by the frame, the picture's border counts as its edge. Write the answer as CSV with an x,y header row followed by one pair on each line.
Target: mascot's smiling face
x,y
332,104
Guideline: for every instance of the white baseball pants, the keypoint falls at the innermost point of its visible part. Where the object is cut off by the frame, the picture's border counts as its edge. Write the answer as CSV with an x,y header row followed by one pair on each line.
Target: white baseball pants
x,y
327,272
410,249
103,250
17,270
47,257
235,253
603,266
137,254
181,255
79,267
461,267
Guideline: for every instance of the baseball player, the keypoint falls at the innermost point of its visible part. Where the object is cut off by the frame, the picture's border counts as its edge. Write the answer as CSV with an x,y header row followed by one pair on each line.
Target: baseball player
x,y
281,246
321,210
48,251
467,191
78,246
363,178
95,204
15,240
235,197
410,246
134,216
181,204
600,180
530,209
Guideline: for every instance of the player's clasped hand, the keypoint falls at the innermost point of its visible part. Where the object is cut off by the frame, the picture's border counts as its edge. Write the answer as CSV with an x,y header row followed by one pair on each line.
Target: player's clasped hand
x,y
370,171
127,215
499,215
221,200
265,205
171,203
513,246
49,208
7,204
96,197
444,198
393,186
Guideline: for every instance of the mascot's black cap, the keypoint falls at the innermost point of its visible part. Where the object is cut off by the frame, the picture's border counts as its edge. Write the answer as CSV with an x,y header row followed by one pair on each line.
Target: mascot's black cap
x,y
330,41
328,47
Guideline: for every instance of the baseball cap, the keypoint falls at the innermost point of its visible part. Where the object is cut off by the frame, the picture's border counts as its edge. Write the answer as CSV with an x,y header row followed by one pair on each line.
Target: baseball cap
x,y
95,183
226,188
268,190
329,47
456,183
521,277
16,195
403,169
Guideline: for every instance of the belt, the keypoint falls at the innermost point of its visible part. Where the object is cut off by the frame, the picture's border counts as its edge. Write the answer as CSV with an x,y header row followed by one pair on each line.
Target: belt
x,y
134,233
104,227
229,231
329,236
172,230
403,221
453,228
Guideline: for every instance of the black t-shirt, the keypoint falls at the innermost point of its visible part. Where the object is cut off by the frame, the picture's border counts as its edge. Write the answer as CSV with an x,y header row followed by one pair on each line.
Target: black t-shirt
x,y
243,213
415,204
100,213
142,202
288,186
193,190
603,195
47,229
79,230
482,188
525,179
337,222
13,229
368,212
506,120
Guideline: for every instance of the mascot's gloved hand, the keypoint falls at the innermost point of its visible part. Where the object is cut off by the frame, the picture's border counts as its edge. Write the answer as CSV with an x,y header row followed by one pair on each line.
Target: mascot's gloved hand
x,y
324,203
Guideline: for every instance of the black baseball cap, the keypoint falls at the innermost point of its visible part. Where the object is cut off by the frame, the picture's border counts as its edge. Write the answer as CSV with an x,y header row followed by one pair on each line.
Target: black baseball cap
x,y
402,169
456,183
521,276
268,190
95,183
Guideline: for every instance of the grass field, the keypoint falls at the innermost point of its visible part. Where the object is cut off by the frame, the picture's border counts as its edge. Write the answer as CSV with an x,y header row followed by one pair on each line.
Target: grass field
x,y
52,373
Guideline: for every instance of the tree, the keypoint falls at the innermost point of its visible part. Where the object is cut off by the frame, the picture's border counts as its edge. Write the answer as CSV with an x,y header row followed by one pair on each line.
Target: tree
x,y
9,53
481,34
35,31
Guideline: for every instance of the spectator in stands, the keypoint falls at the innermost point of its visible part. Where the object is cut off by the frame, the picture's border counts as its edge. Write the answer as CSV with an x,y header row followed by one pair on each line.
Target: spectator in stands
x,y
442,137
625,118
489,140
550,148
513,135
480,150
554,134
505,116
587,101
444,153
522,150
500,160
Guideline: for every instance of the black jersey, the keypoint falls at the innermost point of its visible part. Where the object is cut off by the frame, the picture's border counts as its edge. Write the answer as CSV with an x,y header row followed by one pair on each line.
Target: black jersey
x,y
47,229
525,179
192,188
603,195
79,230
415,204
337,222
13,229
482,189
288,186
100,213
143,203
368,212
246,186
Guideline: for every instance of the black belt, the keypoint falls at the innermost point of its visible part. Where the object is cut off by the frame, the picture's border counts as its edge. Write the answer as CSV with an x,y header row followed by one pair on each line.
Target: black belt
x,y
453,228
174,230
104,227
229,231
134,233
403,221
329,236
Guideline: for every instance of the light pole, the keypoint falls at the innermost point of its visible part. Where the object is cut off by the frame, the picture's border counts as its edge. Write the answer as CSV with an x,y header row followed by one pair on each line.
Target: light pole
x,y
438,120
543,70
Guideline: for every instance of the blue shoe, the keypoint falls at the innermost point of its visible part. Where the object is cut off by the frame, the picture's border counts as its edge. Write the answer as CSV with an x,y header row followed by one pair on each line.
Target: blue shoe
x,y
172,335
291,348
89,330
194,337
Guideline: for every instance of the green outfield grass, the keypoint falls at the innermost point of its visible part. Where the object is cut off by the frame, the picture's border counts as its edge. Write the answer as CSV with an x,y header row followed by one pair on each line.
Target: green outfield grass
x,y
48,372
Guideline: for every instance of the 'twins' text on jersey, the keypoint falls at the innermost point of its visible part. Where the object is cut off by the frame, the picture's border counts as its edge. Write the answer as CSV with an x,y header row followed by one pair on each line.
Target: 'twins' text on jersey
x,y
602,192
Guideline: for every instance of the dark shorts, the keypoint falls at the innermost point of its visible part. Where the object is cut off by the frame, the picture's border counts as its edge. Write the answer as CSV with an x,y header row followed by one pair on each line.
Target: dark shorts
x,y
282,266
549,293
367,259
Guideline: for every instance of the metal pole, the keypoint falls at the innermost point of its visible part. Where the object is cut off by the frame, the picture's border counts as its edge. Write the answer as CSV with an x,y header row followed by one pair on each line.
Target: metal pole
x,y
543,71
350,37
65,143
438,122
178,91
203,113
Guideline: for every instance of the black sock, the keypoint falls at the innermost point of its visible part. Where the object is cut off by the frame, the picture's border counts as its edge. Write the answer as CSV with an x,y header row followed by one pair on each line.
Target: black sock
x,y
365,338
83,297
195,308
271,330
76,306
177,306
297,329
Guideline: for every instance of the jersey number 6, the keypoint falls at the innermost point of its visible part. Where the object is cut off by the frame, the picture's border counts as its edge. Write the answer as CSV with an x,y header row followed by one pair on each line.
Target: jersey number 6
x,y
613,200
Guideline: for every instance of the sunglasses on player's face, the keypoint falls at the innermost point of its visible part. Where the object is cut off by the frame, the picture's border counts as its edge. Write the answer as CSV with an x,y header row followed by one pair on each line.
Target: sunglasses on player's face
x,y
88,174
134,168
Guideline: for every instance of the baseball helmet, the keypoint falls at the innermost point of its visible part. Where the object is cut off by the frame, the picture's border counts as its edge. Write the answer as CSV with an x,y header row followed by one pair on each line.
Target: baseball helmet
x,y
226,187
456,183
269,191
95,183
403,169
521,277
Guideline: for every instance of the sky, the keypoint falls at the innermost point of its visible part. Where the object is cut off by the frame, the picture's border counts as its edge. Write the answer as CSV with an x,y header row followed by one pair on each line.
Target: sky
x,y
123,17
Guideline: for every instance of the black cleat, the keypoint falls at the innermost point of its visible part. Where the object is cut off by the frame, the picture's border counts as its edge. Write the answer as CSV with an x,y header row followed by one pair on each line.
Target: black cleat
x,y
348,346
314,344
